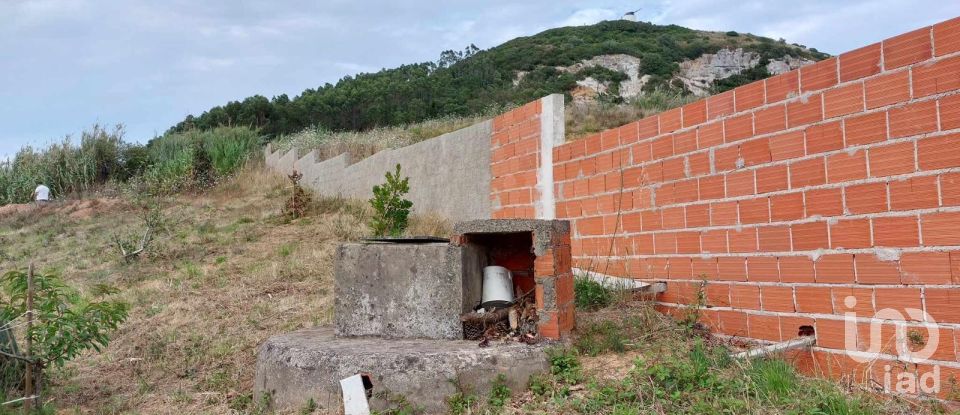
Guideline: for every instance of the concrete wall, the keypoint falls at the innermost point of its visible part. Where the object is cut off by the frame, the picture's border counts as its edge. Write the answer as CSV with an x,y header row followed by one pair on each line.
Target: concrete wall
x,y
828,196
449,174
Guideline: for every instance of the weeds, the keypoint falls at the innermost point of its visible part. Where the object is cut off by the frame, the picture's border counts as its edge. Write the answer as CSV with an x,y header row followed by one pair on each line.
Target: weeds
x,y
390,208
296,205
590,294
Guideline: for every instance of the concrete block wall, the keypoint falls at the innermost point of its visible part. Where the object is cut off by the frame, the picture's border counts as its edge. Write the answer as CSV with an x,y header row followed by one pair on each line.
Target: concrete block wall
x,y
449,174
828,197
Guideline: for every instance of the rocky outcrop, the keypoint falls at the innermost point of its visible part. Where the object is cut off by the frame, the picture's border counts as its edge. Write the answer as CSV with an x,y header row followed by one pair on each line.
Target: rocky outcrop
x,y
697,75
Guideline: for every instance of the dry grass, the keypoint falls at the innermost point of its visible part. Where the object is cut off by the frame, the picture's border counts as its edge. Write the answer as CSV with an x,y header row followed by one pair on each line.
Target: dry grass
x,y
584,118
226,272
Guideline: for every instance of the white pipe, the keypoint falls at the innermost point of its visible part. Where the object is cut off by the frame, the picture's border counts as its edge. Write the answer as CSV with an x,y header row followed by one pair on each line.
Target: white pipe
x,y
797,343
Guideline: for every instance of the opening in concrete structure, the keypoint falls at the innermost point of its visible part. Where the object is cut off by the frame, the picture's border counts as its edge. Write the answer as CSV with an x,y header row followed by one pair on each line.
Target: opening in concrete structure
x,y
367,384
806,331
513,251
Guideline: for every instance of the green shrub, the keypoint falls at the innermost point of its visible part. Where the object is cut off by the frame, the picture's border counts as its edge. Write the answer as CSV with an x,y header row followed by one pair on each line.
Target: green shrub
x,y
590,294
391,210
564,365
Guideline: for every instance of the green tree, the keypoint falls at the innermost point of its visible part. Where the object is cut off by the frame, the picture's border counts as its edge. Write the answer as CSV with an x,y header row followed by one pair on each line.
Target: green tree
x,y
391,210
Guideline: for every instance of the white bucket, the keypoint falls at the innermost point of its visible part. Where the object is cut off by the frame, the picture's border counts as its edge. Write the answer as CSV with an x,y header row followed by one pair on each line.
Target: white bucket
x,y
497,287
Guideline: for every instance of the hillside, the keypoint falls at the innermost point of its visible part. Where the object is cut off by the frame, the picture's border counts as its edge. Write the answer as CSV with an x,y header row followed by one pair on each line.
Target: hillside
x,y
615,60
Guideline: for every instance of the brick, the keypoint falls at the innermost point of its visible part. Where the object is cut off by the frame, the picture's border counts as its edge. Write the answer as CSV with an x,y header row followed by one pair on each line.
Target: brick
x,y
743,296
914,193
804,110
714,241
846,166
672,218
786,207
711,187
939,152
792,327
824,202
755,152
850,234
733,323
743,240
772,179
648,127
665,243
809,236
699,164
704,268
719,105
892,159
740,183
795,269
814,300
950,189
762,269
651,220
946,37
926,268
694,113
787,146
831,335
887,89
777,298
860,63
738,128
773,238
662,147
865,129
723,213
844,100
898,299
866,198
949,112
941,228
770,120
685,142
943,304
697,215
731,268
848,299
718,294
873,270
809,172
673,168
679,268
764,327
824,137
820,75
749,96
670,121
688,242
936,77
896,231
754,210
913,119
910,47
942,350
835,269
783,86
725,158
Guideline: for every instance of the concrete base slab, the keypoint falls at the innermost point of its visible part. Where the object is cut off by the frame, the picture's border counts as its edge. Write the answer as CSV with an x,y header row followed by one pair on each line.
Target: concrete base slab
x,y
295,367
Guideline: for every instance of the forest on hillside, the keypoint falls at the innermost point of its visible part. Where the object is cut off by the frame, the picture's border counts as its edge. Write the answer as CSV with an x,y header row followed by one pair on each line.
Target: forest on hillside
x,y
471,81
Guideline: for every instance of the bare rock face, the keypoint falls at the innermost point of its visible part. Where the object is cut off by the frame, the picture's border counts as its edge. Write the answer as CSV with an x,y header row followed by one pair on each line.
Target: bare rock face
x,y
699,74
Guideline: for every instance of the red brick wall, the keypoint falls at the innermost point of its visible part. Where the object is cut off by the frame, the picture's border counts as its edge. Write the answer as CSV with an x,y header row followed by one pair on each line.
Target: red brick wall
x,y
827,190
515,157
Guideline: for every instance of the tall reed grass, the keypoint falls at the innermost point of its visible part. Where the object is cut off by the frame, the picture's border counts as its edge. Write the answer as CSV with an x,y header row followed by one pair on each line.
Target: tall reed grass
x,y
167,163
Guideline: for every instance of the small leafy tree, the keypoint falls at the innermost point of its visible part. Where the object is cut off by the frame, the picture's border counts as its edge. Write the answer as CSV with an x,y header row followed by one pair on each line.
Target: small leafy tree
x,y
391,210
65,324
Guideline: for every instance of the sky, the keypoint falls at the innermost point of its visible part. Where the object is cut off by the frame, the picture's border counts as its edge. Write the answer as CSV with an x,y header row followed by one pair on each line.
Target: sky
x,y
67,64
